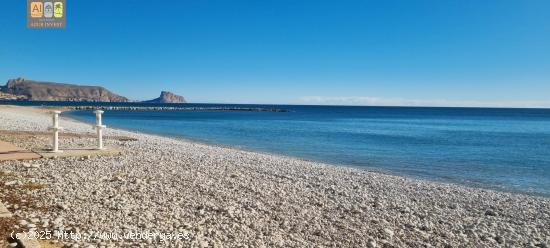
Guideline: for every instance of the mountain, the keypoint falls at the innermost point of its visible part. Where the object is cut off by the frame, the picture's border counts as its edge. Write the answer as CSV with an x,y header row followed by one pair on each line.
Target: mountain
x,y
167,97
48,91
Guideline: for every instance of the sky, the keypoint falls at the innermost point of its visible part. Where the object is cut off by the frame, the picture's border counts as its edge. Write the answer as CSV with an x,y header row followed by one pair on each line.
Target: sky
x,y
413,53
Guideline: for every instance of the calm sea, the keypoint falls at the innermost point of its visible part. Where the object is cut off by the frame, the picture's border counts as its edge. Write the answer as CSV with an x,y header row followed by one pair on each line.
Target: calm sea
x,y
506,149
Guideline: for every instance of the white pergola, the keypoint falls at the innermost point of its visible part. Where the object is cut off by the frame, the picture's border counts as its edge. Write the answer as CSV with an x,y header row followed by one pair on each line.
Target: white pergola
x,y
55,128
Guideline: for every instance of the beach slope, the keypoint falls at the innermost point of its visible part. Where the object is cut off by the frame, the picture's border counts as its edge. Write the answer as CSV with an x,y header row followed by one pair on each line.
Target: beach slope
x,y
214,196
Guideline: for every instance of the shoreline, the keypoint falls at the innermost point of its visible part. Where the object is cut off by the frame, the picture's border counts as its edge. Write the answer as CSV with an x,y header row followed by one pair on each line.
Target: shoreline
x,y
258,199
83,103
477,185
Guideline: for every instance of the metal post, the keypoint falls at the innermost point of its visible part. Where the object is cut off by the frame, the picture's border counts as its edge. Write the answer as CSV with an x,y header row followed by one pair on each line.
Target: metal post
x,y
55,129
99,129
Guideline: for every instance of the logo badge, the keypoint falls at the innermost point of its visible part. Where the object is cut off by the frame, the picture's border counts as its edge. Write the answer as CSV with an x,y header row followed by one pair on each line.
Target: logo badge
x,y
58,9
48,9
46,13
36,9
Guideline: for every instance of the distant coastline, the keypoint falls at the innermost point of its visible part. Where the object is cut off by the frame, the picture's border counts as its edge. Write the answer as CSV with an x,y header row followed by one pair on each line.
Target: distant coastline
x,y
31,90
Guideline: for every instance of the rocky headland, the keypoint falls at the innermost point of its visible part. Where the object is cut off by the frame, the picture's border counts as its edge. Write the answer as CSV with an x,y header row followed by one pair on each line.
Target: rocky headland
x,y
49,91
167,97
31,90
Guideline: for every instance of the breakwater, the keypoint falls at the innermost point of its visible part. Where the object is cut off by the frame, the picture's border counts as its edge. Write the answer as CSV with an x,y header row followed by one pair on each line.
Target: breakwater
x,y
175,108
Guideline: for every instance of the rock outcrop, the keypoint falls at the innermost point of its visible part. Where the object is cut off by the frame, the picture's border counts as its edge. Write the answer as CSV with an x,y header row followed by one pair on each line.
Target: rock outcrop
x,y
167,97
48,91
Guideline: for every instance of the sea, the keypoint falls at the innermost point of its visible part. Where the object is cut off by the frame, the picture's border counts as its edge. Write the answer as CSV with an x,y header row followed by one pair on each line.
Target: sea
x,y
506,149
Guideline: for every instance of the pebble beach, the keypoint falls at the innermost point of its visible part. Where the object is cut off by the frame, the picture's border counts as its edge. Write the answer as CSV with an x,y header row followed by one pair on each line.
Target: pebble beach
x,y
200,195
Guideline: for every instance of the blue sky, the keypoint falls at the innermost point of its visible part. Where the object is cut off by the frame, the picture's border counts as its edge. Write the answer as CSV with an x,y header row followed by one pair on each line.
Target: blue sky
x,y
440,52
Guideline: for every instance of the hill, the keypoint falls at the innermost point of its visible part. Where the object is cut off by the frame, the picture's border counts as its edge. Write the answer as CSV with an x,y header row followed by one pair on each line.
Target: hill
x,y
49,91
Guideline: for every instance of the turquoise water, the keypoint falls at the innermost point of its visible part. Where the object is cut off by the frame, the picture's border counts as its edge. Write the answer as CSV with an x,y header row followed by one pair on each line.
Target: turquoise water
x,y
507,149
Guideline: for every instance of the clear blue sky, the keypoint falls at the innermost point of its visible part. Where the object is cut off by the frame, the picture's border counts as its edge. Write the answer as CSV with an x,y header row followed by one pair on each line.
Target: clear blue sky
x,y
440,52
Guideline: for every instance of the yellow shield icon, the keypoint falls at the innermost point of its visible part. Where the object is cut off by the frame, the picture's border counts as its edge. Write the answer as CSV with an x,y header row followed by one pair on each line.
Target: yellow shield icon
x,y
36,9
58,9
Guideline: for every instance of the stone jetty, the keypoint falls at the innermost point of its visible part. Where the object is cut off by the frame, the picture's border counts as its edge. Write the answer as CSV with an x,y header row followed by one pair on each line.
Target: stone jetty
x,y
173,108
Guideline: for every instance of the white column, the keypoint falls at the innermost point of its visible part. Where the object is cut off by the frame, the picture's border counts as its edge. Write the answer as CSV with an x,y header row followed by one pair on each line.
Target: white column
x,y
55,130
99,129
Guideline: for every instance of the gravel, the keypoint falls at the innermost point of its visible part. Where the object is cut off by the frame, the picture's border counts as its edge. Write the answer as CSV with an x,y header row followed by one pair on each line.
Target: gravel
x,y
216,196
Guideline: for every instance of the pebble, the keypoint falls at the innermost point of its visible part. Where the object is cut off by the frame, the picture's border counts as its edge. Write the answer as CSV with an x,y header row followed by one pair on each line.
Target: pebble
x,y
388,232
371,243
490,212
